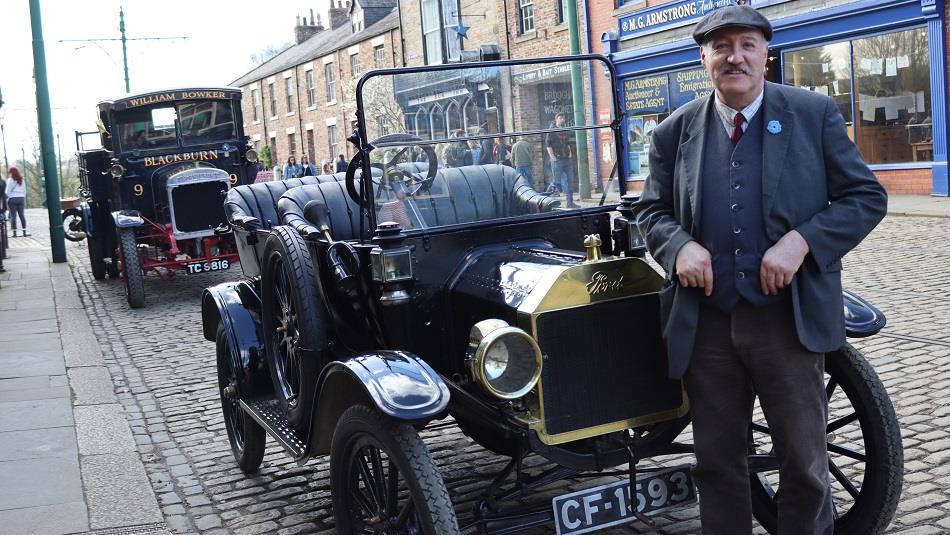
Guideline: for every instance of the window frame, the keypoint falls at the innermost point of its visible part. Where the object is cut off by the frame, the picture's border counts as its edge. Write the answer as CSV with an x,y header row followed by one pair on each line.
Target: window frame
x,y
311,88
445,28
289,88
272,98
525,16
329,82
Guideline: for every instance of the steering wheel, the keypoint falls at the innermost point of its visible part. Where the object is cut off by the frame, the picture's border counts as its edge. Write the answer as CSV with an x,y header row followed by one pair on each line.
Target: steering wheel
x,y
393,174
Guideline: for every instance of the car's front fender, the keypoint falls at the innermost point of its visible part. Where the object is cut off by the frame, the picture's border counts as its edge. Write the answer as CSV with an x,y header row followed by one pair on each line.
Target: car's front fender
x,y
398,384
236,307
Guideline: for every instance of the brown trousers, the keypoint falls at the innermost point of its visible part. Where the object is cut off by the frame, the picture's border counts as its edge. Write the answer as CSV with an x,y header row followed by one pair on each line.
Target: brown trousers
x,y
740,354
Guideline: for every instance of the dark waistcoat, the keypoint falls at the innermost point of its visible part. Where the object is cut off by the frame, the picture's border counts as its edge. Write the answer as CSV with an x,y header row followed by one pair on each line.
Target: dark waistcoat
x,y
731,223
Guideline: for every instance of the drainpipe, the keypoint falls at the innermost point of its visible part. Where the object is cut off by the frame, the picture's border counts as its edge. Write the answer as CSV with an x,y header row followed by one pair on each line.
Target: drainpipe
x,y
577,89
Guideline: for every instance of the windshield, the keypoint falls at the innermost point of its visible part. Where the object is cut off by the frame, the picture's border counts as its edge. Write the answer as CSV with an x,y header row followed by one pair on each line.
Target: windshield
x,y
157,127
486,141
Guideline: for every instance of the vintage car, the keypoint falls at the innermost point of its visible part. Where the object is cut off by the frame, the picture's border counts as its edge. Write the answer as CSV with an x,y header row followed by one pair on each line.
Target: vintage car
x,y
449,285
151,191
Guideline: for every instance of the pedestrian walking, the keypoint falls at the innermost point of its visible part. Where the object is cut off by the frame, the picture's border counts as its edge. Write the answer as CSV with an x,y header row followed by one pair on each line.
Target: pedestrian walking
x,y
560,153
16,198
754,195
292,169
308,169
341,164
522,156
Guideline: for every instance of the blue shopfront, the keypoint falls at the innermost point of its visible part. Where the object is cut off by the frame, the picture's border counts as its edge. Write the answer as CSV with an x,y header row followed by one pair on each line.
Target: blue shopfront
x,y
881,61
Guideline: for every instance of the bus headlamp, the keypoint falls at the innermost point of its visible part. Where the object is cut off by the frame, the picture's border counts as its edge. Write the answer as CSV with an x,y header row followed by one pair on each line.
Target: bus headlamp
x,y
251,155
117,170
504,360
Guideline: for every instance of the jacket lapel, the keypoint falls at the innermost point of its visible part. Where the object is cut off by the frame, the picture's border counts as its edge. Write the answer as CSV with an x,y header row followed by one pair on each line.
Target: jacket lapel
x,y
774,145
691,156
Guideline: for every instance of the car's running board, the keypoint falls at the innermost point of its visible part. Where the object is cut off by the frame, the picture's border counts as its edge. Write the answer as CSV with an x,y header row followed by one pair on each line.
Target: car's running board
x,y
268,413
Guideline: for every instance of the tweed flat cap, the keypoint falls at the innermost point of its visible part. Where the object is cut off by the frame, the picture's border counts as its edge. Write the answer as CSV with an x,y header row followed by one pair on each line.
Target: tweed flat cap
x,y
742,16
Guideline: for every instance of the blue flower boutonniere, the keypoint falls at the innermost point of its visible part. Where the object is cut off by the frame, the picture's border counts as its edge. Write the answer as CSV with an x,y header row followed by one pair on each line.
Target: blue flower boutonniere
x,y
774,127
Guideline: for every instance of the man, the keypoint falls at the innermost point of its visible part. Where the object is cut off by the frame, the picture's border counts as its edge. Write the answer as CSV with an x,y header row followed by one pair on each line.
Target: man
x,y
562,162
522,156
754,196
341,164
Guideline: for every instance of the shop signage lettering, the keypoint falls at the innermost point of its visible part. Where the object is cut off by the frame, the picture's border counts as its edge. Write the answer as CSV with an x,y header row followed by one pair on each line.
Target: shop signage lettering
x,y
203,155
688,86
645,94
668,15
542,73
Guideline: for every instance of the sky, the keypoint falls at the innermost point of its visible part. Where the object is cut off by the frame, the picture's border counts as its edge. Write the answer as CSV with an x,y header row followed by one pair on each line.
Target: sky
x,y
222,36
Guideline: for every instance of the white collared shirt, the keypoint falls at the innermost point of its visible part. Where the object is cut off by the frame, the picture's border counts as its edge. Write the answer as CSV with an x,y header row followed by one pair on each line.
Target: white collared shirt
x,y
727,114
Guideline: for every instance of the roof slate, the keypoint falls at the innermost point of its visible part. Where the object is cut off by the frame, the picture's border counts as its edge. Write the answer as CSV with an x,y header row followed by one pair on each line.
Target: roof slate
x,y
319,45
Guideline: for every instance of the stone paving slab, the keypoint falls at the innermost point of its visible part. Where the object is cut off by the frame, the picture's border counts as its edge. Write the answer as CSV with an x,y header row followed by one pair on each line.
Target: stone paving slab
x,y
42,362
102,429
39,481
37,443
26,394
118,491
35,414
91,385
46,520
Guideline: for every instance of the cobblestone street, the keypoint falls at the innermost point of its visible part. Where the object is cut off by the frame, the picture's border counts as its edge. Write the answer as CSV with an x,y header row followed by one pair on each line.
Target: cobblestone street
x,y
164,374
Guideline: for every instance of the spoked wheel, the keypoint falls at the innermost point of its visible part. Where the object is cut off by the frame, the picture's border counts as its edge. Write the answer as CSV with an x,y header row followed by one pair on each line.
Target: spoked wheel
x,y
132,268
383,480
245,435
865,455
73,226
294,323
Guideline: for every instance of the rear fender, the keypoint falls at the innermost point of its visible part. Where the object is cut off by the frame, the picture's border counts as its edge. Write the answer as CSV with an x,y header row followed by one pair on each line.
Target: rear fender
x,y
236,307
397,384
861,318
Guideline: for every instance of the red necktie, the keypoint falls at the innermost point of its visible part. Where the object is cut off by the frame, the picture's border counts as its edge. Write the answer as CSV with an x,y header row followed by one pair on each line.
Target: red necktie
x,y
737,127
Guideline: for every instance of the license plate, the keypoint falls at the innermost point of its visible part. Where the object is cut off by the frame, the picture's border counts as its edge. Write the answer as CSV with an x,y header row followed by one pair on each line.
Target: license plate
x,y
608,505
211,265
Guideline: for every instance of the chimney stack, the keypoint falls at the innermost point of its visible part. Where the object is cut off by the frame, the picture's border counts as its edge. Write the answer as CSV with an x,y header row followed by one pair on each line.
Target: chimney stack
x,y
305,31
339,15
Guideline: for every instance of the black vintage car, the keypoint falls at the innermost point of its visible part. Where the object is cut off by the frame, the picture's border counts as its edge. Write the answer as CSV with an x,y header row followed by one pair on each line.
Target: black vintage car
x,y
451,285
151,193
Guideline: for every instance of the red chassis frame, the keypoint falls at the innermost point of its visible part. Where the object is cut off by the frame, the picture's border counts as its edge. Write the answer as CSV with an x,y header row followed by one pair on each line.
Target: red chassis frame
x,y
162,235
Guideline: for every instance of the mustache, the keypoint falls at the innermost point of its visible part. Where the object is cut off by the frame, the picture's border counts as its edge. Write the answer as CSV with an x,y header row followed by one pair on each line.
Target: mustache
x,y
735,68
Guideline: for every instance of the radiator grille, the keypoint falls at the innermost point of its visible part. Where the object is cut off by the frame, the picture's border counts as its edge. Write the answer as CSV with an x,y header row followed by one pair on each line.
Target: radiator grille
x,y
604,363
198,206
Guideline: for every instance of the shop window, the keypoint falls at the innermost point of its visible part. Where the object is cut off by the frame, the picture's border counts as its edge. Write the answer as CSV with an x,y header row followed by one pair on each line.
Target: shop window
x,y
647,102
882,87
826,70
892,81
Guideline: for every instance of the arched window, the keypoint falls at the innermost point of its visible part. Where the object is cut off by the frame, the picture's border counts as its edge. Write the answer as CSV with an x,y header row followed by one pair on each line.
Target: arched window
x,y
437,122
422,124
453,117
470,114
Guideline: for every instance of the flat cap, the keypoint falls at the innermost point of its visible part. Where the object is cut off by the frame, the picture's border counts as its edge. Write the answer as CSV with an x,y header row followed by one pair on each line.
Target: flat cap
x,y
742,16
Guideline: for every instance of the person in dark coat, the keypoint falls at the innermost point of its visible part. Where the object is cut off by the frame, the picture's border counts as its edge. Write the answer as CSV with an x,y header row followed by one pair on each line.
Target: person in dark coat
x,y
755,193
341,164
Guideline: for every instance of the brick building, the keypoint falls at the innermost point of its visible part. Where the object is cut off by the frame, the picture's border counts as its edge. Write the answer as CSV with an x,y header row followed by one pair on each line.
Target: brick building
x,y
301,101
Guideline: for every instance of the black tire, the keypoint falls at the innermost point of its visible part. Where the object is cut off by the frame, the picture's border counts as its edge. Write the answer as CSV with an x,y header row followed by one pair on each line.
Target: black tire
x,y
96,261
411,499
245,435
294,318
73,228
865,506
132,268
